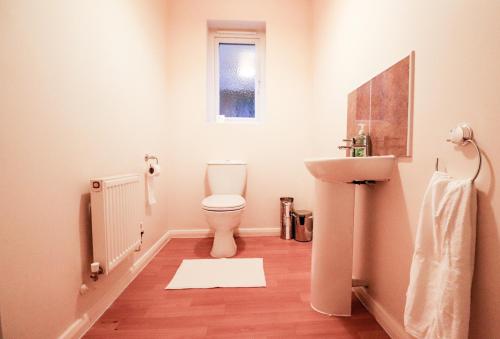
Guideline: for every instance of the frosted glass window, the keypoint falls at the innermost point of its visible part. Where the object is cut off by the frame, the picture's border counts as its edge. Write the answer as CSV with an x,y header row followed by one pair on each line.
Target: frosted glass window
x,y
235,76
237,80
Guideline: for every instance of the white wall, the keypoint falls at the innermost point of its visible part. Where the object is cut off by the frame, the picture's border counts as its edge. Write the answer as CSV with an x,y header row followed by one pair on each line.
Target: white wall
x,y
82,94
86,89
457,47
275,148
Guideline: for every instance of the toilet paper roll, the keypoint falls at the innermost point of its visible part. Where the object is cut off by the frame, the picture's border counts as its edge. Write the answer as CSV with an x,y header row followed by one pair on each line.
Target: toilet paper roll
x,y
153,172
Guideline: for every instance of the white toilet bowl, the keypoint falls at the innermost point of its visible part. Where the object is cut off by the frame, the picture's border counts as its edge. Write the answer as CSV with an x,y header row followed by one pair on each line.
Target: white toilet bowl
x,y
223,213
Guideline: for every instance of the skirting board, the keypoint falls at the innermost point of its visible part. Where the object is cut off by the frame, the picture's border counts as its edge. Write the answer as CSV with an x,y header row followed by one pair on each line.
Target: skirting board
x,y
241,232
393,328
81,325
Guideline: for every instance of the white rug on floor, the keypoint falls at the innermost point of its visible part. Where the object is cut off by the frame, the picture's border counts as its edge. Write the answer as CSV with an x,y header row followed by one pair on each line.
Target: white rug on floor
x,y
210,273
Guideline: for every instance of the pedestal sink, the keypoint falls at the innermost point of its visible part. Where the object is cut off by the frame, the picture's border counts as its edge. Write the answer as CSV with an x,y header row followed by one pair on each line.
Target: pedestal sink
x,y
331,269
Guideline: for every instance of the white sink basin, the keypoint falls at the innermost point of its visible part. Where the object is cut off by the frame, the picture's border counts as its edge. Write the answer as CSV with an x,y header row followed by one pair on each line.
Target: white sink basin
x,y
377,168
332,250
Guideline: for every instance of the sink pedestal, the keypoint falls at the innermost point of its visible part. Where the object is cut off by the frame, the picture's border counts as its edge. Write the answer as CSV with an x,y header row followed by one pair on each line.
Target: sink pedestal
x,y
331,269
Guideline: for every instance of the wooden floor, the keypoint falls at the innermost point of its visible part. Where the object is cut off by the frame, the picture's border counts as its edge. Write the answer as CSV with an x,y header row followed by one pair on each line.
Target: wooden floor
x,y
281,310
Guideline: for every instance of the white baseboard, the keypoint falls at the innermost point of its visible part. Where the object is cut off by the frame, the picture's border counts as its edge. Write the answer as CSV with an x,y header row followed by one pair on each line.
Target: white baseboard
x,y
191,233
78,328
241,232
81,325
393,328
258,232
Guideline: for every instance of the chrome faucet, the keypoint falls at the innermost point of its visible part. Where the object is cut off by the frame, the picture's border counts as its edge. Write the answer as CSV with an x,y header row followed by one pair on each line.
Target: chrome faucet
x,y
350,146
358,146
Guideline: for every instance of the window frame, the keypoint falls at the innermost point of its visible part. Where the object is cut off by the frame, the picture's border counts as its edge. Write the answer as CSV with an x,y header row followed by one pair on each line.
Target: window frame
x,y
240,38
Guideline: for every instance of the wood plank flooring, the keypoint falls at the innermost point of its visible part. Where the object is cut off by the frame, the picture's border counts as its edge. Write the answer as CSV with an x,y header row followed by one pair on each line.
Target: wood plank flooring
x,y
281,310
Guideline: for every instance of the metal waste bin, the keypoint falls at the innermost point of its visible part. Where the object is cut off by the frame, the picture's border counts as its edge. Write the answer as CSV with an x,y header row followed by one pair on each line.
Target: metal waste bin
x,y
303,225
286,208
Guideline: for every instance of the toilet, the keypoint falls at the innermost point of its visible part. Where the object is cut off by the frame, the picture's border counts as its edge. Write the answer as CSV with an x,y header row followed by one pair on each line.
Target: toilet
x,y
224,207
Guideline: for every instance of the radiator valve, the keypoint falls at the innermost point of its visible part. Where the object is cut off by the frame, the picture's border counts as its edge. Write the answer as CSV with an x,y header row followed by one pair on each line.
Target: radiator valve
x,y
96,269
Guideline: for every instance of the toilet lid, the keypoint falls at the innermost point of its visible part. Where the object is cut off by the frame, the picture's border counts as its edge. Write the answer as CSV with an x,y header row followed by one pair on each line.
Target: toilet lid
x,y
223,202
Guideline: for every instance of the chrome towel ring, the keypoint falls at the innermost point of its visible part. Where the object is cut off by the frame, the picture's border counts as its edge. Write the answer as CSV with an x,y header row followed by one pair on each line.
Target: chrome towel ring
x,y
462,135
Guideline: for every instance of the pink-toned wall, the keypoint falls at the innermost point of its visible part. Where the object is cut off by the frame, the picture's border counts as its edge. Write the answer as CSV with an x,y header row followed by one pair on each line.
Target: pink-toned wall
x,y
86,89
457,48
274,148
82,94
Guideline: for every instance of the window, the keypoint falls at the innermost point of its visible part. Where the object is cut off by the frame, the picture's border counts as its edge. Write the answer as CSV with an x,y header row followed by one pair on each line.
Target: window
x,y
235,76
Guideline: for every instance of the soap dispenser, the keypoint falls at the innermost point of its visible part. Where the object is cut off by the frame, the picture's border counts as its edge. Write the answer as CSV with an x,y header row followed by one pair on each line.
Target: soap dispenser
x,y
362,146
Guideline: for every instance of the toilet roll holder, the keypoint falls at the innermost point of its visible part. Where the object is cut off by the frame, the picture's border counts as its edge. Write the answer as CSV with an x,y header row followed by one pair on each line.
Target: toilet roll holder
x,y
149,157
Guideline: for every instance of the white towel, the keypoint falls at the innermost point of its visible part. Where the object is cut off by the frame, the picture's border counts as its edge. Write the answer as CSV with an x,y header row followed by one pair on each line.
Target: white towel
x,y
438,296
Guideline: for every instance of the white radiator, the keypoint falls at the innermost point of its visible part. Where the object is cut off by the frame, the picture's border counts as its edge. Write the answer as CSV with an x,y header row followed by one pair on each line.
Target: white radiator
x,y
116,230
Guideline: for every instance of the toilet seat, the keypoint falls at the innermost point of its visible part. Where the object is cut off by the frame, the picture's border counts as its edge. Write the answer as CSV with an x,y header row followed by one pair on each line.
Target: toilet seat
x,y
223,202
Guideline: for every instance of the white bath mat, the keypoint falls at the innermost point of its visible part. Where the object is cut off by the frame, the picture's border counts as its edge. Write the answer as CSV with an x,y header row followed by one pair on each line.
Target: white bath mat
x,y
210,273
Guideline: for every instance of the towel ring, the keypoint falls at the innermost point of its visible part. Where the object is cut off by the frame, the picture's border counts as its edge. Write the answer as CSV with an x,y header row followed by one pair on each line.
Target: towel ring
x,y
462,135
